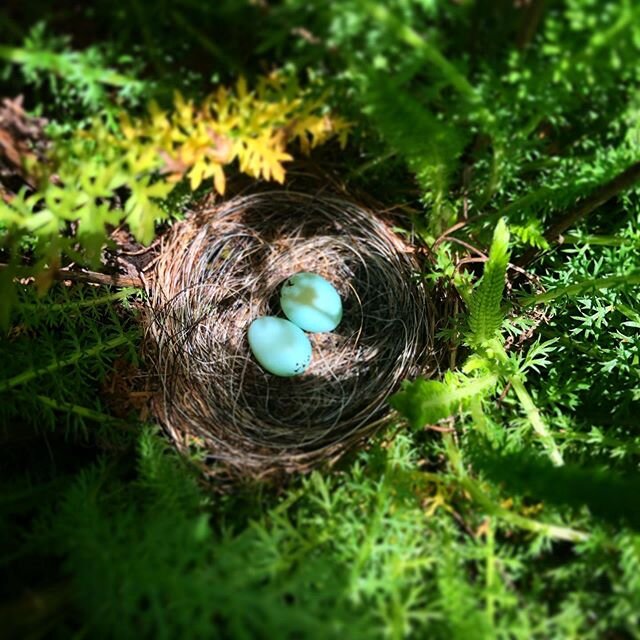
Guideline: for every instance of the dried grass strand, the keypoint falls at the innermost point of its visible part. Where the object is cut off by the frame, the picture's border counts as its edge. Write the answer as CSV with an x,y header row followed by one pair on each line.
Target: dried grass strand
x,y
222,268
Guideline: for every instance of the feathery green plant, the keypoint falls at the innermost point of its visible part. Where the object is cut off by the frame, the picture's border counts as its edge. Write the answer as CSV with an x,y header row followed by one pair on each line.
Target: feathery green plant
x,y
79,332
141,164
485,313
479,120
488,364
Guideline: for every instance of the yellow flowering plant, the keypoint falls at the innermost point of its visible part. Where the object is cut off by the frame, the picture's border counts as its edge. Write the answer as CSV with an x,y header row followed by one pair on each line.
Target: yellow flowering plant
x,y
70,212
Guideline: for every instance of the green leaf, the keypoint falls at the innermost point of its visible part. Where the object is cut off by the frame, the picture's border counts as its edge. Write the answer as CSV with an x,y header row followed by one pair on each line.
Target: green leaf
x,y
485,314
428,401
141,209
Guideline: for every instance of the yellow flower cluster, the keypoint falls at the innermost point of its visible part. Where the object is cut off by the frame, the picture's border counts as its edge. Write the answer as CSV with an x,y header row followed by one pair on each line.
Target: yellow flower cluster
x,y
141,164
252,127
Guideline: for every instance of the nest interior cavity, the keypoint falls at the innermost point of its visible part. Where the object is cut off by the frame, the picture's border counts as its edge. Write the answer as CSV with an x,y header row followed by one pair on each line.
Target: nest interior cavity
x,y
222,268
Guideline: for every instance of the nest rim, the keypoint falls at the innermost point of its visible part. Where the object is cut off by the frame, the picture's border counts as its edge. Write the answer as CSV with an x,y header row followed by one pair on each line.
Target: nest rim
x,y
220,267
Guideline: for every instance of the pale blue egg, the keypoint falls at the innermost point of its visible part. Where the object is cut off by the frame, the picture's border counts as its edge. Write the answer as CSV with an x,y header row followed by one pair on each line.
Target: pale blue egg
x,y
279,346
311,302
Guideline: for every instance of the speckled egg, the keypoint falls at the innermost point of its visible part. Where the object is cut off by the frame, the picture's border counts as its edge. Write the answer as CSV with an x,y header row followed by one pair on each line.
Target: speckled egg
x,y
311,302
279,346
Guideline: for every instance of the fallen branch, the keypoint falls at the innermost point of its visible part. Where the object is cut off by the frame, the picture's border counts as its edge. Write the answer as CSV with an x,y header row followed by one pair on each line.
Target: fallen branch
x,y
89,277
602,194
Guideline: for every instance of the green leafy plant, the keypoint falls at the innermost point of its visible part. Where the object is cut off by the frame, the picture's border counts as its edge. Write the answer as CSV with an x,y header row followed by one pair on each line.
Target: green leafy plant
x,y
489,363
503,135
145,159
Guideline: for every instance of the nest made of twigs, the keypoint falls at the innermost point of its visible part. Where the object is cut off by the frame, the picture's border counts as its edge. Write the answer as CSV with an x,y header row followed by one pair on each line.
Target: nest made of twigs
x,y
223,267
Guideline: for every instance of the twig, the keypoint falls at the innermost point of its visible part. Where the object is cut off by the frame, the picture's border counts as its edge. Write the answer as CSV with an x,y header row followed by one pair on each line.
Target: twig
x,y
504,393
603,194
89,277
464,261
94,277
439,429
447,232
632,278
468,246
530,23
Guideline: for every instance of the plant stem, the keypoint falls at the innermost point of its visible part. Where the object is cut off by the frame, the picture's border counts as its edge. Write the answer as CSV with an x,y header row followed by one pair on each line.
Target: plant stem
x,y
602,441
145,31
532,18
57,63
530,409
601,39
602,194
479,419
370,164
82,304
203,40
494,177
603,241
536,421
550,530
585,286
490,574
83,412
411,37
32,374
491,508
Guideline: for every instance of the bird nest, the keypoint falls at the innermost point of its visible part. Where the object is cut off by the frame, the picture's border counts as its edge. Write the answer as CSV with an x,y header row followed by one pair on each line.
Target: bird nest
x,y
223,267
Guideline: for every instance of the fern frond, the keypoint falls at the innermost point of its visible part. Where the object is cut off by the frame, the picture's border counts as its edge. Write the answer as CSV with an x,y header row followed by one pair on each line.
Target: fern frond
x,y
485,314
425,402
31,374
430,146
